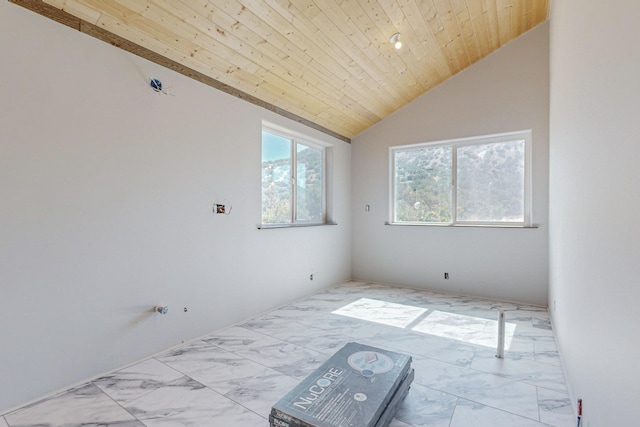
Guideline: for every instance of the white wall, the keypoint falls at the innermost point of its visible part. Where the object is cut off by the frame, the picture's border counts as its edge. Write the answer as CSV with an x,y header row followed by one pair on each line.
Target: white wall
x,y
507,91
106,193
595,204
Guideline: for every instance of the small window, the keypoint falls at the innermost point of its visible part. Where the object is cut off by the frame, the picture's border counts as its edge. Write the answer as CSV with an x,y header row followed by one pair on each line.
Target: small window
x,y
471,181
293,180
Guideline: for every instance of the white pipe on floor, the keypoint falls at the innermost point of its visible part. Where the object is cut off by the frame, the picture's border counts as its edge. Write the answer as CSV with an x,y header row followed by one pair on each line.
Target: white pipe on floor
x,y
500,353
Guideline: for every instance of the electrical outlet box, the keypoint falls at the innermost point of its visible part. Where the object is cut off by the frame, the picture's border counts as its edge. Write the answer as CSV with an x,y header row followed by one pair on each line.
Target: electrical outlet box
x,y
221,209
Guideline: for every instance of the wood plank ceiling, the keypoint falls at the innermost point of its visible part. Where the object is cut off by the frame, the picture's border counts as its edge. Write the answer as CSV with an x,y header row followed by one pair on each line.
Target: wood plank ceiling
x,y
328,63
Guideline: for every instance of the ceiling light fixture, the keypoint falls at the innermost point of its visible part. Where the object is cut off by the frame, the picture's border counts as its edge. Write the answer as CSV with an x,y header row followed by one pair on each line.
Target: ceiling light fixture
x,y
395,41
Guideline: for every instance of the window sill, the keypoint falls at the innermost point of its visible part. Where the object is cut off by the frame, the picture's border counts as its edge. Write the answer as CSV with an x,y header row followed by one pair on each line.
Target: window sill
x,y
271,226
415,224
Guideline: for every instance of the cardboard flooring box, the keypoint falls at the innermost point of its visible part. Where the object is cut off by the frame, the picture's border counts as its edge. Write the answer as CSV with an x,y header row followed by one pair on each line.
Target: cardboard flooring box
x,y
353,388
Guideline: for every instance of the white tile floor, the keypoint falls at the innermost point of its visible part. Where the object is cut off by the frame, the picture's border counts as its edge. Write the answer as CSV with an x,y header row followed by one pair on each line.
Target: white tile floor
x,y
233,377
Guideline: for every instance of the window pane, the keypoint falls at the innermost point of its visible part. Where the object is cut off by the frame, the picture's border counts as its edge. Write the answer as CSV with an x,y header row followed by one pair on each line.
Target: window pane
x,y
276,179
491,182
423,185
309,183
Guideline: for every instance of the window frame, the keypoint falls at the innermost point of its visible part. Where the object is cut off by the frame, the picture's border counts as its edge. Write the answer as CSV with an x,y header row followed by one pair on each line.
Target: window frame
x,y
297,139
525,135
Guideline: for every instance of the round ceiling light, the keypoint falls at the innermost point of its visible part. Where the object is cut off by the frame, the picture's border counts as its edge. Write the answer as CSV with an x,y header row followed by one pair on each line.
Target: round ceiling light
x,y
395,41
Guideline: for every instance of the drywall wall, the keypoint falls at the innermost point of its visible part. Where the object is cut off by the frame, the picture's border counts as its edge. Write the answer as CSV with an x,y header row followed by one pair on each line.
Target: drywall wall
x,y
594,234
506,91
106,192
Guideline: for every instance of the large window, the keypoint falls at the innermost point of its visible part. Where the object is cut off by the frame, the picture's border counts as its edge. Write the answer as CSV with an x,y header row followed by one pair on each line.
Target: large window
x,y
472,181
293,180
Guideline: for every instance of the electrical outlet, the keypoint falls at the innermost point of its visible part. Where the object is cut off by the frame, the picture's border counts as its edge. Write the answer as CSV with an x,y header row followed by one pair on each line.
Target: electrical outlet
x,y
311,277
446,276
185,309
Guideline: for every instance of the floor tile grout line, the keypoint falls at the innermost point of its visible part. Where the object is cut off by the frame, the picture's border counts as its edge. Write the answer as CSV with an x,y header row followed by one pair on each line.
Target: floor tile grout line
x,y
234,401
246,379
498,409
454,410
118,403
245,407
538,401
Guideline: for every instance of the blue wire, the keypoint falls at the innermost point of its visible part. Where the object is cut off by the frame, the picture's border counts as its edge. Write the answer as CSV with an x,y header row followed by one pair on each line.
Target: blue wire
x,y
156,85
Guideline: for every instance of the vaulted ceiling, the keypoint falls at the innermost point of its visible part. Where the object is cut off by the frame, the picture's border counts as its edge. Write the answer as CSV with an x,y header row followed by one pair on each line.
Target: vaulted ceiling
x,y
327,63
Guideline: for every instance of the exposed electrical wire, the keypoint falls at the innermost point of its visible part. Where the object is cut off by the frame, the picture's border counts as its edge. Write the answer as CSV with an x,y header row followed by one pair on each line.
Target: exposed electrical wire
x,y
156,85
222,208
579,412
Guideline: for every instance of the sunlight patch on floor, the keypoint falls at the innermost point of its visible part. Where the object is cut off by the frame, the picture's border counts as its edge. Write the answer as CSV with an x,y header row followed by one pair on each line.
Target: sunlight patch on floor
x,y
387,313
469,329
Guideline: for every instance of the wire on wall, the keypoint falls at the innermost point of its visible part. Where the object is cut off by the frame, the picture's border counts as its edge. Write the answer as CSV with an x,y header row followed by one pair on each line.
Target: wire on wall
x,y
223,208
156,85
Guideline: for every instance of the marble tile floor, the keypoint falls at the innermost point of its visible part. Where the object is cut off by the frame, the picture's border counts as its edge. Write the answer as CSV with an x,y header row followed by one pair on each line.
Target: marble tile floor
x,y
232,377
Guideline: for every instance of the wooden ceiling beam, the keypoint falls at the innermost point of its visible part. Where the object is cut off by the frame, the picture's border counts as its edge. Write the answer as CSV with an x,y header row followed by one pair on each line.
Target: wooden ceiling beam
x,y
58,15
